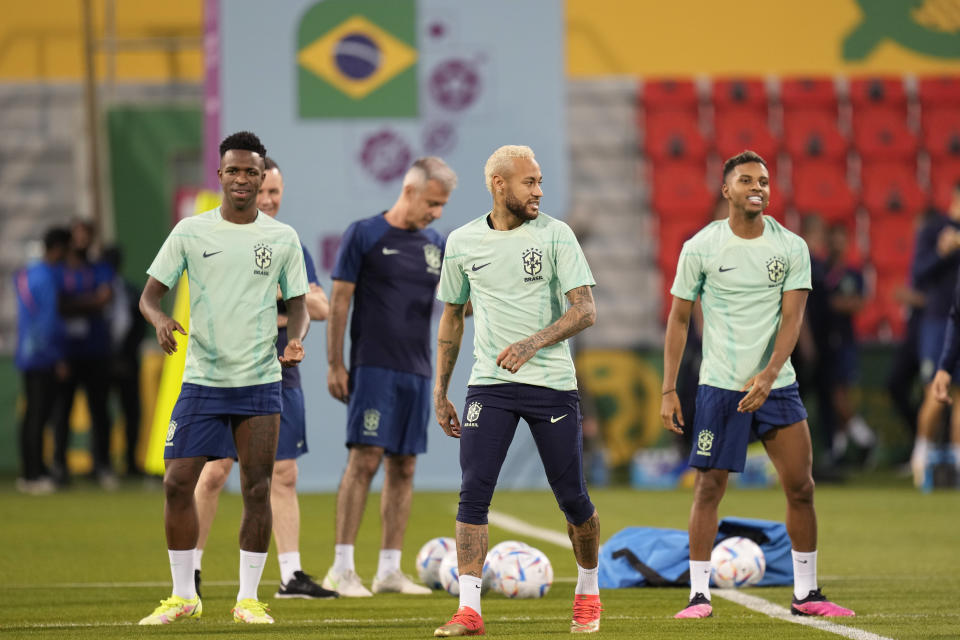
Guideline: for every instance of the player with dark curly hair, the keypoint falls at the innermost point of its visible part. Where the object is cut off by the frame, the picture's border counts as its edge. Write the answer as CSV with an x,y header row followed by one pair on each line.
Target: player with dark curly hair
x,y
235,258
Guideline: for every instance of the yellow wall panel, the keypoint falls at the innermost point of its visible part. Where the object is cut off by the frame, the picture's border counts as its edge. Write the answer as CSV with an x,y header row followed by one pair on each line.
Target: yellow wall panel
x,y
43,40
758,37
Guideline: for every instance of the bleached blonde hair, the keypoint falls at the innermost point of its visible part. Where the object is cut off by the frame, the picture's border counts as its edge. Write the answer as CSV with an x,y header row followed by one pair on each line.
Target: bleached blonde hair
x,y
500,162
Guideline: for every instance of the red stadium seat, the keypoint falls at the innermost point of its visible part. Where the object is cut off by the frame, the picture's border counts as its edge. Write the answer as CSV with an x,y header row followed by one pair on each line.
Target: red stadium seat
x,y
670,95
891,244
674,135
941,132
813,135
809,94
936,92
891,188
882,134
944,178
740,94
680,192
671,235
741,129
821,188
886,92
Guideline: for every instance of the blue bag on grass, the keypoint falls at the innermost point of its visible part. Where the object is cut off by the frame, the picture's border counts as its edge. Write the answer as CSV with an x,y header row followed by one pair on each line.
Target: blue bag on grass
x,y
648,556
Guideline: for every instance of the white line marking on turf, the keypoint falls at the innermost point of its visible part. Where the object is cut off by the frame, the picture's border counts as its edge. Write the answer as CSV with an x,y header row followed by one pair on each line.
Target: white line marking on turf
x,y
517,525
775,611
754,603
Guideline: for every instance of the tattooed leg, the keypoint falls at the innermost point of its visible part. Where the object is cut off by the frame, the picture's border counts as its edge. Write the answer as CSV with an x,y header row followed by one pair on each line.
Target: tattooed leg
x,y
585,539
471,548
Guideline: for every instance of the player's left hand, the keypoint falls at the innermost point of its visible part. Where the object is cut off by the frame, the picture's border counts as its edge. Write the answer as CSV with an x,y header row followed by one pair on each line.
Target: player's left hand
x,y
759,388
292,353
513,357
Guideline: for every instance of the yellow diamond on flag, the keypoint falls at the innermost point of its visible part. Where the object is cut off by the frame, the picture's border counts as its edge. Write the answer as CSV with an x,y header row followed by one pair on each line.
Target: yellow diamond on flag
x,y
357,57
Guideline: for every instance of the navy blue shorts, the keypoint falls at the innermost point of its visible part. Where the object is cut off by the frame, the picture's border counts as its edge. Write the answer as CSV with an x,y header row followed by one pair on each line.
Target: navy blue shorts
x,y
292,441
388,409
721,433
933,331
488,425
200,422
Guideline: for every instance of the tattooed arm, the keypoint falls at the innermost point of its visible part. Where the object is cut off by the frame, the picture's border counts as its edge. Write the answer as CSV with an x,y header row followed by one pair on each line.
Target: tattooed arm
x,y
581,314
449,336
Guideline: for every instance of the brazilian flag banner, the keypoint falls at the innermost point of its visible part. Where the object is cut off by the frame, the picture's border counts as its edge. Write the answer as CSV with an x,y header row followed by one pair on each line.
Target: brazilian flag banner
x,y
358,59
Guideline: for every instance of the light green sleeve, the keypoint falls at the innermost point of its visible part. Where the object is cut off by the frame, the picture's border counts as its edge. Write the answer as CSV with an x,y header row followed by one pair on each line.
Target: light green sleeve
x,y
293,275
454,285
171,260
798,267
571,265
688,283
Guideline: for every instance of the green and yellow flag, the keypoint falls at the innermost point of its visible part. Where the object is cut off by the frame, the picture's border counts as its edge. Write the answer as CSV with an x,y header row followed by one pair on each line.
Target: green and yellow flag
x,y
358,59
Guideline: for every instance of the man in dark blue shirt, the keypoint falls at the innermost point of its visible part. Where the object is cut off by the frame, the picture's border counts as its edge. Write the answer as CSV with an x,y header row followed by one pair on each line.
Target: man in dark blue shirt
x,y
85,292
39,354
935,274
389,265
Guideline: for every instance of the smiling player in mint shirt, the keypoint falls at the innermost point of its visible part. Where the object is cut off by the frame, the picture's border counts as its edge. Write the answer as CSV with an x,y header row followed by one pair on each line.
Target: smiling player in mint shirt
x,y
752,277
235,258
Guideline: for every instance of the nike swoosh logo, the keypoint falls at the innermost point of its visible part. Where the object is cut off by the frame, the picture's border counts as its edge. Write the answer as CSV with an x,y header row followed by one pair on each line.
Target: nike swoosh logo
x,y
555,420
207,255
476,268
802,561
725,269
390,252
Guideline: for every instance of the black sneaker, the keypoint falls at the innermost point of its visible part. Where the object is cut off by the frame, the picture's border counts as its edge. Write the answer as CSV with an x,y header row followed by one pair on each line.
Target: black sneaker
x,y
196,581
303,586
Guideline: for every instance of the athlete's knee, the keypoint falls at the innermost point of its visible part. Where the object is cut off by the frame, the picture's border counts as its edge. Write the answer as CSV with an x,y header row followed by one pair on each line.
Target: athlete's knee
x,y
214,475
709,488
364,461
401,468
799,490
285,474
256,488
576,506
178,486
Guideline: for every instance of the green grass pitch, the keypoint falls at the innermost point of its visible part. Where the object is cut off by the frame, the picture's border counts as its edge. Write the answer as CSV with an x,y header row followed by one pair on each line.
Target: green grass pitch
x,y
87,564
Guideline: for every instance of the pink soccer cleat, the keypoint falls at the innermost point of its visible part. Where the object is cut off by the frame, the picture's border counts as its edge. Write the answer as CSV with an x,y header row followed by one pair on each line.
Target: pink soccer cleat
x,y
816,604
586,614
699,607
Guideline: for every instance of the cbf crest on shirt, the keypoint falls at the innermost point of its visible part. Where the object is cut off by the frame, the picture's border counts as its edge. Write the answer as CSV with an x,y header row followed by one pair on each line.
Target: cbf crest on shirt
x,y
740,283
233,272
517,281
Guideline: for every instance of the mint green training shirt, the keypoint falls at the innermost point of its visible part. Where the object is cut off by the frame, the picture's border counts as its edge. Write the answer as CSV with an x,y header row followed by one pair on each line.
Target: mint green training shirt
x,y
517,281
233,271
740,284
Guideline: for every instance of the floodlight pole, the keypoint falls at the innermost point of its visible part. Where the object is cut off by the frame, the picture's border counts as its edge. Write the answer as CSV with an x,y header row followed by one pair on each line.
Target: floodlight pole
x,y
90,105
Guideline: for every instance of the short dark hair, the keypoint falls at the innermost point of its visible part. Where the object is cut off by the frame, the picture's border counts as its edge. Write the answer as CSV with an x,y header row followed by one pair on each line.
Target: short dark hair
x,y
56,237
741,158
243,141
270,163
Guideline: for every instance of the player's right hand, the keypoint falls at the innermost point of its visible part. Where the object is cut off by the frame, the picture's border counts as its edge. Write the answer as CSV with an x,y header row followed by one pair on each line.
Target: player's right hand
x,y
338,382
670,407
447,416
165,337
941,387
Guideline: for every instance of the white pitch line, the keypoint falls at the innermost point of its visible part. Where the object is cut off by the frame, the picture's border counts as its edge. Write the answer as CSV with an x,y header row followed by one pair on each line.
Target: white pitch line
x,y
517,525
780,613
754,603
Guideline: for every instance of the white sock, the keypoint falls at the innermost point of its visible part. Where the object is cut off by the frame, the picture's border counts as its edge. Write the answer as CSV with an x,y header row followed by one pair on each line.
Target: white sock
x,y
804,573
289,564
470,589
700,578
389,562
197,559
955,448
921,449
181,568
251,568
587,581
343,558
